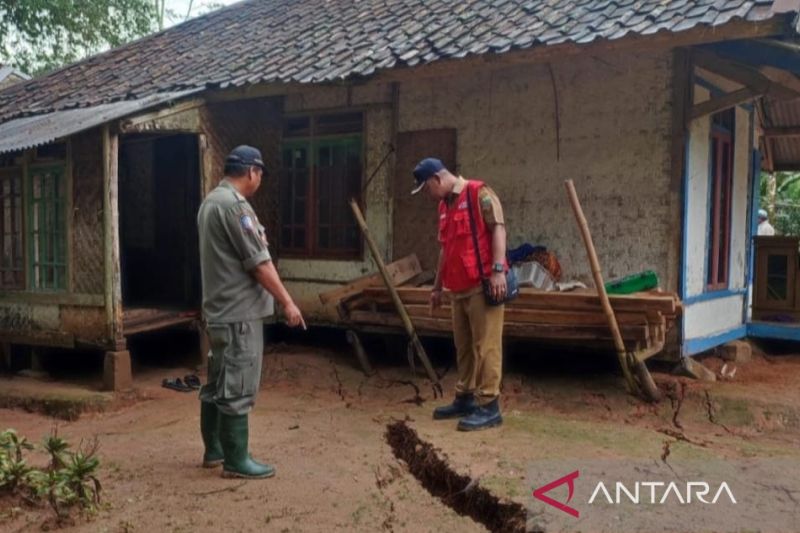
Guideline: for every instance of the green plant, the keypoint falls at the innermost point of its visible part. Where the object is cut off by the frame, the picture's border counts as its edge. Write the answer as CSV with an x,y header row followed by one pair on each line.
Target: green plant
x,y
56,447
69,480
80,475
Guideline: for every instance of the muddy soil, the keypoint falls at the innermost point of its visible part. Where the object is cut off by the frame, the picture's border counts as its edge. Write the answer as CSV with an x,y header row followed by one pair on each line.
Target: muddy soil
x,y
323,424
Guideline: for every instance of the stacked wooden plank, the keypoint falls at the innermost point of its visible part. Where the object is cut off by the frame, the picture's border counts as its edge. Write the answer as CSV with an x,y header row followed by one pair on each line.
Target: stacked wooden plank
x,y
572,317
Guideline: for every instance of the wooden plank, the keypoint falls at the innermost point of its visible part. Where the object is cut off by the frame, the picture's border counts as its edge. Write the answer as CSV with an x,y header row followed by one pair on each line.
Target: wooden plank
x,y
788,131
533,298
400,271
516,329
541,316
725,101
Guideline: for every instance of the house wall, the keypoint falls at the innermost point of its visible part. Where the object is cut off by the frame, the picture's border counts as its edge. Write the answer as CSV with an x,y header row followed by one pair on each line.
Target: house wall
x,y
76,314
603,121
714,317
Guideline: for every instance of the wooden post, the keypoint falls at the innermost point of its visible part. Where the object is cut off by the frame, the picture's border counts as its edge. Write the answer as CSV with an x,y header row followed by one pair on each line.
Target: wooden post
x,y
113,290
398,303
601,288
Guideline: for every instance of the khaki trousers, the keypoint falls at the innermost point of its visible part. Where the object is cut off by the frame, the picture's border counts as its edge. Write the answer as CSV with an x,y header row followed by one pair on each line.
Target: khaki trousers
x,y
478,335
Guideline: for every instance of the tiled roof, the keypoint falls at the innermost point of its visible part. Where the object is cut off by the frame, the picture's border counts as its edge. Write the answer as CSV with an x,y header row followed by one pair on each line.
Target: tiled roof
x,y
324,40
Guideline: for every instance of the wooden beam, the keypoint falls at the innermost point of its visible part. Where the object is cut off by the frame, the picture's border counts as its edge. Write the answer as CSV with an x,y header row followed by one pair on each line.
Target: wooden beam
x,y
585,299
769,161
113,285
682,96
742,74
723,102
786,131
400,271
141,122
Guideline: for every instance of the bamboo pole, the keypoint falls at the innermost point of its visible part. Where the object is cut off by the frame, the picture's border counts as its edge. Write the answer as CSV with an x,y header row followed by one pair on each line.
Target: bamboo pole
x,y
398,303
601,288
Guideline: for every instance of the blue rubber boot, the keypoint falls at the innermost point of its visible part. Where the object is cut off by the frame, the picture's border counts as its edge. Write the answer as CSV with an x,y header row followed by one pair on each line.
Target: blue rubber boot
x,y
484,417
462,405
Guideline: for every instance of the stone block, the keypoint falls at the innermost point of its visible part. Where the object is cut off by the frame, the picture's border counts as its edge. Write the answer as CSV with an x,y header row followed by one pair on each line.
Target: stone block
x,y
736,352
117,371
692,368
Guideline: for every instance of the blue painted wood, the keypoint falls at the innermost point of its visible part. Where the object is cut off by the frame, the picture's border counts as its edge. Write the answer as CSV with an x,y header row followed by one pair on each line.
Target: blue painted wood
x,y
699,345
772,330
713,295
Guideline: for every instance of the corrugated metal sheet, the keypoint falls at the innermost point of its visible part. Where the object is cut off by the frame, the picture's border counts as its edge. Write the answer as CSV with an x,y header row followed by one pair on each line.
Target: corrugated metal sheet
x,y
28,132
785,150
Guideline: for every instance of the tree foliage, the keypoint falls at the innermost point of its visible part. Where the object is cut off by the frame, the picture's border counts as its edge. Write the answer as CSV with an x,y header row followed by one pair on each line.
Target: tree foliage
x,y
780,197
40,35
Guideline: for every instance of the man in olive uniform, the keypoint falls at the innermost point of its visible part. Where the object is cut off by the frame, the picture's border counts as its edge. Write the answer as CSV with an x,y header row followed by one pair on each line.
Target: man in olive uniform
x,y
239,282
470,214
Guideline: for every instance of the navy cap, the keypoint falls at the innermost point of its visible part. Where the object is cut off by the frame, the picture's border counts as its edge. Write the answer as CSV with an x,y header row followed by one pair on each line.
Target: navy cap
x,y
425,170
246,156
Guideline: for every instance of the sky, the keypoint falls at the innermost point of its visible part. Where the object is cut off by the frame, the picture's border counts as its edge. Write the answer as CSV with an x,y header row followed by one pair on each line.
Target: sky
x,y
180,7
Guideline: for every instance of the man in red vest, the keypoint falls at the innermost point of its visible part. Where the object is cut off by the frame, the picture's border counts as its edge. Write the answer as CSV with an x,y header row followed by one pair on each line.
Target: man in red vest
x,y
477,326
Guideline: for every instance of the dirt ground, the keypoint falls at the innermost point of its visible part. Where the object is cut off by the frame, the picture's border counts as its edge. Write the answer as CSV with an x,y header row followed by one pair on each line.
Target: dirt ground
x,y
322,423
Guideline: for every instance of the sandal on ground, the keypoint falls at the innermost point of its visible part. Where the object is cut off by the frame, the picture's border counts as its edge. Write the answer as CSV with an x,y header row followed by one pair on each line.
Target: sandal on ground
x,y
192,381
176,384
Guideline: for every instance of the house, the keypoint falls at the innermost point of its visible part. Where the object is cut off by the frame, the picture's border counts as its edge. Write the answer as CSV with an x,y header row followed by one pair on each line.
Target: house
x,y
651,106
9,76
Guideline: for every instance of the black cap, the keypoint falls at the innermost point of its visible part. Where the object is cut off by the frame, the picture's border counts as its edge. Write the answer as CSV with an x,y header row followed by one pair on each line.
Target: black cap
x,y
425,170
246,156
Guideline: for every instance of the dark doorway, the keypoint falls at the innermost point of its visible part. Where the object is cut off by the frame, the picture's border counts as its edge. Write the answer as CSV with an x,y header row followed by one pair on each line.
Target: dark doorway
x,y
159,194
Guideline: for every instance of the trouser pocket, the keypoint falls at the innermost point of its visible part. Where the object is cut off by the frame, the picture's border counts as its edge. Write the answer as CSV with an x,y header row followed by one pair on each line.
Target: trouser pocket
x,y
241,369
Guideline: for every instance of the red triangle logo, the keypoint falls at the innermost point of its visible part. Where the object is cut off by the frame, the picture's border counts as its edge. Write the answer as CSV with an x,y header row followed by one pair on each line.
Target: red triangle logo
x,y
569,479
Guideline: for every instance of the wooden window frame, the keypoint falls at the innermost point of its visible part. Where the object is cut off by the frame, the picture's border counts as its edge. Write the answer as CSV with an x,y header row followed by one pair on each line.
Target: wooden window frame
x,y
311,142
718,275
58,205
17,233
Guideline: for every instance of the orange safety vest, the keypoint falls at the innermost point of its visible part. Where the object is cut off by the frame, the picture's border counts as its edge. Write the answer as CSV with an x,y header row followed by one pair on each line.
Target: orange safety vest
x,y
460,270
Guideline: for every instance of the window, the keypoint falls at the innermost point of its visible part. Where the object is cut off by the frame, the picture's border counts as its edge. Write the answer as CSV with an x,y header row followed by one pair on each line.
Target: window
x,y
12,264
720,199
322,170
46,230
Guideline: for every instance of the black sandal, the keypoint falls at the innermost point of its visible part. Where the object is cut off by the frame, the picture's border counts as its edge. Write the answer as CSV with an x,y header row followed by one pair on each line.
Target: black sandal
x,y
176,384
192,381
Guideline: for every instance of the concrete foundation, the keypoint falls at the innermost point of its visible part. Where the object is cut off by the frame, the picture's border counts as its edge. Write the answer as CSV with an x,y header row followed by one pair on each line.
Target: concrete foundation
x,y
117,371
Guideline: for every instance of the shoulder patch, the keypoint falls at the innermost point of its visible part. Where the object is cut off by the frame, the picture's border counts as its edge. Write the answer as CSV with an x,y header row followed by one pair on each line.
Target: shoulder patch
x,y
486,200
246,222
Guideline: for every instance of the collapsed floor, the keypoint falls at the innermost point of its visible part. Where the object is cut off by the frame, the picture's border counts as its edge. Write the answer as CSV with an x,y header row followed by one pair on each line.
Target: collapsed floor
x,y
323,424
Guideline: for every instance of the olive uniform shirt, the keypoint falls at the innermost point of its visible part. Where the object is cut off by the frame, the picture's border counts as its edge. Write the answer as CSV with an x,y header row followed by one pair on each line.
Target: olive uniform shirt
x,y
232,244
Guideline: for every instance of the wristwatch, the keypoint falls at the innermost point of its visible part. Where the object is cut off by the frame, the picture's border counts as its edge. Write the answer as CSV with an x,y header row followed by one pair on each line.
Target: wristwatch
x,y
498,267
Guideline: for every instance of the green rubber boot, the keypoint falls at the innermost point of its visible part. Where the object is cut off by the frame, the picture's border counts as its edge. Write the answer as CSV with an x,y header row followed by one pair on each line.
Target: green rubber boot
x,y
209,429
234,434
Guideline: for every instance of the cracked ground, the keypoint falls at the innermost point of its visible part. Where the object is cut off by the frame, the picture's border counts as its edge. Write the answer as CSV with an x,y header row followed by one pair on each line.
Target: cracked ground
x,y
322,423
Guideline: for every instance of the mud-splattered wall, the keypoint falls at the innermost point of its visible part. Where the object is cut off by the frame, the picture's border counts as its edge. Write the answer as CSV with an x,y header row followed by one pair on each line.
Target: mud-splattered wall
x,y
604,122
